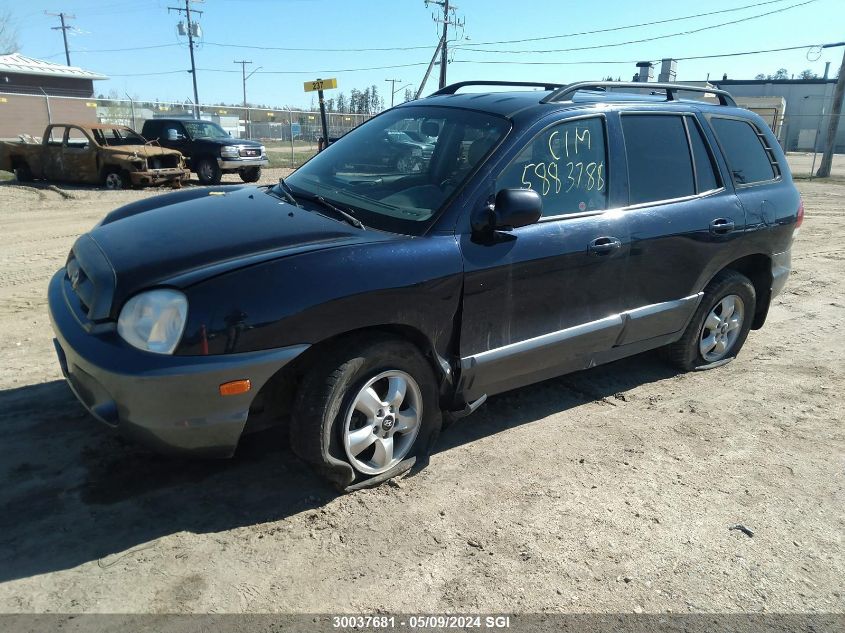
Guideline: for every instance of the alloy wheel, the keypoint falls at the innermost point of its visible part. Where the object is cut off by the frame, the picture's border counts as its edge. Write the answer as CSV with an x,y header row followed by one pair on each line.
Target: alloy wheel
x,y
382,422
721,328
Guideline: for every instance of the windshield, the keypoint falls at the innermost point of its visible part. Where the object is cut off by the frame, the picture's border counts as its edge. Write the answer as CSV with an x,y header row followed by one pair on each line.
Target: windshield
x,y
205,129
389,180
113,136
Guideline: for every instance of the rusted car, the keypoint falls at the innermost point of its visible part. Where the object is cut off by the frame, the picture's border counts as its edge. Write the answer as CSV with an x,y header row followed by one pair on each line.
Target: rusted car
x,y
114,156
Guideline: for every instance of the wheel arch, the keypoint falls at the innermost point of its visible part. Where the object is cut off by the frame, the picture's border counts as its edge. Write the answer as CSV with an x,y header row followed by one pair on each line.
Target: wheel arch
x,y
276,397
758,268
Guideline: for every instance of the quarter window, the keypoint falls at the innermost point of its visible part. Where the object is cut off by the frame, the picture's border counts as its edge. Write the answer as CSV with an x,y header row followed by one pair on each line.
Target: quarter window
x,y
705,169
566,164
747,157
659,161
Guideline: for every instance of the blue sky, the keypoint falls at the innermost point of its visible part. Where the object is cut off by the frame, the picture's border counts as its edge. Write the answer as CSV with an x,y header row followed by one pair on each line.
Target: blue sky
x,y
123,24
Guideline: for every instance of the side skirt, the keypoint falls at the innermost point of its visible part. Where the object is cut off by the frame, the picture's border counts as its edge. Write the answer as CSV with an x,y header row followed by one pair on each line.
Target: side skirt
x,y
573,349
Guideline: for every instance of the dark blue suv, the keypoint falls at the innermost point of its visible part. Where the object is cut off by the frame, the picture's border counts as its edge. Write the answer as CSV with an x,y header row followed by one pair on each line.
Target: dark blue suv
x,y
534,233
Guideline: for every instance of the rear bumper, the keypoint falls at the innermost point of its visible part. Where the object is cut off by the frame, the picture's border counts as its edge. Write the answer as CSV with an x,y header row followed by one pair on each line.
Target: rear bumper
x,y
157,176
240,163
170,403
781,266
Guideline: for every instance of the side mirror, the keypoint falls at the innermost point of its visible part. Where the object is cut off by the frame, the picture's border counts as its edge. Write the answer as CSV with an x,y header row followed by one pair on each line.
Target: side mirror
x,y
513,208
173,135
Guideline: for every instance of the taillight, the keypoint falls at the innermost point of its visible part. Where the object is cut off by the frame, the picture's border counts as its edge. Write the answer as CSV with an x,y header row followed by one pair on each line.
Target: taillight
x,y
800,219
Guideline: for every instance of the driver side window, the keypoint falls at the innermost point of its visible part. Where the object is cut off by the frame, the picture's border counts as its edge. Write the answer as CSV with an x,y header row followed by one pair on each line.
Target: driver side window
x,y
566,164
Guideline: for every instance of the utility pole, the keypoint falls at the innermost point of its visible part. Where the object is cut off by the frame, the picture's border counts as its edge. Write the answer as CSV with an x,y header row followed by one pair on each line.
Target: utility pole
x,y
392,90
247,119
448,19
835,115
191,32
63,28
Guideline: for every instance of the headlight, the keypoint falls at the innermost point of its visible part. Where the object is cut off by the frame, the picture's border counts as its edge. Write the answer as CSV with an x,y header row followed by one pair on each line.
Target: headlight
x,y
263,150
154,321
229,151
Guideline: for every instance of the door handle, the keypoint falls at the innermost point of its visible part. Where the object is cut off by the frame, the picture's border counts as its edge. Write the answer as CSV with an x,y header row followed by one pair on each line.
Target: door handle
x,y
605,245
720,226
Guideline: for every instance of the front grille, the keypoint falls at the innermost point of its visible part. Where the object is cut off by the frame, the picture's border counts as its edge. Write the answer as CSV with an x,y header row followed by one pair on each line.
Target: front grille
x,y
250,152
167,161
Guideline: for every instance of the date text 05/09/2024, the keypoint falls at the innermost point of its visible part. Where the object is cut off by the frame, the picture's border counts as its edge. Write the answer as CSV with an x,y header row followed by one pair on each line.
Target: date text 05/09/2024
x,y
421,622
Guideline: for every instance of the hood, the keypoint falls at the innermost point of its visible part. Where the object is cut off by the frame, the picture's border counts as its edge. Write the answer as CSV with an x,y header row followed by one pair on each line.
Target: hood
x,y
228,141
139,150
187,238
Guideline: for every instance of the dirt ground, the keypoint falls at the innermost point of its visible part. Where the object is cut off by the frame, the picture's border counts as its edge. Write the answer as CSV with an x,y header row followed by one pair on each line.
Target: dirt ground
x,y
611,490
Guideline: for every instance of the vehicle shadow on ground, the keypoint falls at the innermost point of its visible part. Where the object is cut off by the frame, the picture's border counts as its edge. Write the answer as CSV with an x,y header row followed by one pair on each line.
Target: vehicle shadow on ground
x,y
72,492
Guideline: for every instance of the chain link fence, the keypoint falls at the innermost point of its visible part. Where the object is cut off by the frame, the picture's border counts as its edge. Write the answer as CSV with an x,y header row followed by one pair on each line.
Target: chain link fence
x,y
290,136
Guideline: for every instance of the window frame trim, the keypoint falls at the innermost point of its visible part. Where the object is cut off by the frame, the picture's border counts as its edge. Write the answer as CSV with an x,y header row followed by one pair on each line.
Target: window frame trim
x,y
693,196
775,164
602,116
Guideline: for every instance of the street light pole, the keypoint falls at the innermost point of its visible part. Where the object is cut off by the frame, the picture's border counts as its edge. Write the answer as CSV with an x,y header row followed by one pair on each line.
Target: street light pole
x,y
247,117
392,89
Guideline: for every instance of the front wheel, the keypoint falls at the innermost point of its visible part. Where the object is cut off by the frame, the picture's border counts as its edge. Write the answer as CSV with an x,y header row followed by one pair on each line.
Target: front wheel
x,y
365,410
115,180
250,174
208,171
720,324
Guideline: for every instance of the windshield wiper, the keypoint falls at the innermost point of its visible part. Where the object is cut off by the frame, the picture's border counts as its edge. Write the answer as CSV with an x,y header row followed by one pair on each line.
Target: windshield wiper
x,y
313,197
286,192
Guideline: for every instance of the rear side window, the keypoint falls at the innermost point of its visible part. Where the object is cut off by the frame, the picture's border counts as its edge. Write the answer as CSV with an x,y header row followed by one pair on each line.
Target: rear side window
x,y
705,169
566,164
747,157
659,161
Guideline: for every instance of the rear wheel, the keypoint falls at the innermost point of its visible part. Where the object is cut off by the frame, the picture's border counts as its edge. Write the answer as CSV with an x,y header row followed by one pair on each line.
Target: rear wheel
x,y
250,174
364,410
23,173
720,324
208,171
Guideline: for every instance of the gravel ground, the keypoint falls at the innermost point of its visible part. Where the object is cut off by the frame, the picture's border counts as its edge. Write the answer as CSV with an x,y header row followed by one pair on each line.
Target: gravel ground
x,y
610,490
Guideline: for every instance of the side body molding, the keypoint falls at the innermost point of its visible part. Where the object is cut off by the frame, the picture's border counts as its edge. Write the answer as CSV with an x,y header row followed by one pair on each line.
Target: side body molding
x,y
575,348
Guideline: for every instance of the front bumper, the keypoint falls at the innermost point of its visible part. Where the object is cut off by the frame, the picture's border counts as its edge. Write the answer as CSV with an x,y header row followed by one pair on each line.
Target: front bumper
x,y
157,176
170,403
240,163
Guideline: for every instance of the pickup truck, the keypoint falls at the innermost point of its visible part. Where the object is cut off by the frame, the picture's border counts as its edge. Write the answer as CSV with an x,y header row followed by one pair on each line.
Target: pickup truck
x,y
112,155
209,150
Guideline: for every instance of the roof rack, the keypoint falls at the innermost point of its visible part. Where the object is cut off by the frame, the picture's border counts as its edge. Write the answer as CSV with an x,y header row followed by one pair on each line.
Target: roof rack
x,y
453,88
565,93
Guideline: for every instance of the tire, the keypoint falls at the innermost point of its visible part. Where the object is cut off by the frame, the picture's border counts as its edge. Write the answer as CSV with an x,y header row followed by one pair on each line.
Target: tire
x,y
208,171
23,173
350,437
250,174
711,329
115,180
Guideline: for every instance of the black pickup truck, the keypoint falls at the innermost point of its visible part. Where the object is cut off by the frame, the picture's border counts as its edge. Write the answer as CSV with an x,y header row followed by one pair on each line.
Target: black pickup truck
x,y
208,149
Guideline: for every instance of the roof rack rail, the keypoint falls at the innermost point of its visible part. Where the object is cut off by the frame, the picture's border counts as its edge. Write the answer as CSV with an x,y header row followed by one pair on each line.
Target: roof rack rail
x,y
453,88
565,92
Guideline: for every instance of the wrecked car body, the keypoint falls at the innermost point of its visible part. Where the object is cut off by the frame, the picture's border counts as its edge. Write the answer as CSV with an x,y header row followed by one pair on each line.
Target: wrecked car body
x,y
114,156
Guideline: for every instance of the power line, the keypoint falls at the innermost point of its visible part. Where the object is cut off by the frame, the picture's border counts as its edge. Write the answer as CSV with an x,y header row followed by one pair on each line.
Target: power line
x,y
464,45
482,61
642,40
626,27
634,61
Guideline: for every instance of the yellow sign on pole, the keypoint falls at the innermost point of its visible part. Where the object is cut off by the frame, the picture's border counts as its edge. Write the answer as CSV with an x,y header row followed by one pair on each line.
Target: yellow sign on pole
x,y
320,84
